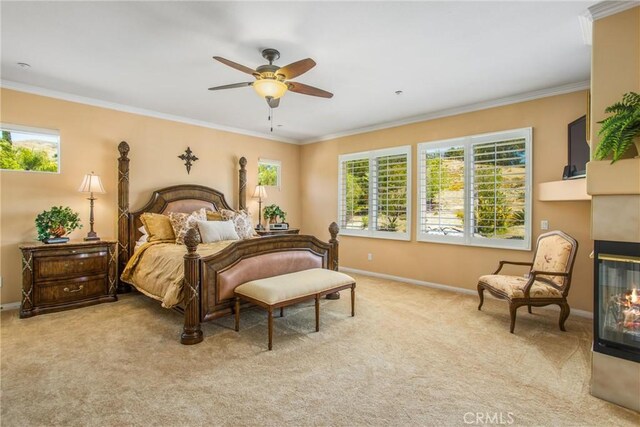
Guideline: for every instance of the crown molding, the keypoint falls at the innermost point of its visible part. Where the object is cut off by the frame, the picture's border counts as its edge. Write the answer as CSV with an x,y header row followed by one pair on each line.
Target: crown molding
x,y
469,108
36,90
608,8
527,96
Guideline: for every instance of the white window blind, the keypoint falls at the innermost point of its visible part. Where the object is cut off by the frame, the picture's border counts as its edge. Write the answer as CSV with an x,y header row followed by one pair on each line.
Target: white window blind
x,y
442,175
374,193
476,190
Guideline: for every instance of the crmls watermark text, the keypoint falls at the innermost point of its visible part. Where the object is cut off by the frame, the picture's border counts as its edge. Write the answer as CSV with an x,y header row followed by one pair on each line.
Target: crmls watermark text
x,y
481,418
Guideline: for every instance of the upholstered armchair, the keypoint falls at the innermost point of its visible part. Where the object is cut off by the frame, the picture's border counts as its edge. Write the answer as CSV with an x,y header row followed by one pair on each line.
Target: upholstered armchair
x,y
548,280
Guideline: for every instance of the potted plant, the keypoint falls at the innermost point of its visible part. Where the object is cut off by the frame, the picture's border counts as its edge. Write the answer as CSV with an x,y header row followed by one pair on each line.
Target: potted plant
x,y
53,224
273,212
621,129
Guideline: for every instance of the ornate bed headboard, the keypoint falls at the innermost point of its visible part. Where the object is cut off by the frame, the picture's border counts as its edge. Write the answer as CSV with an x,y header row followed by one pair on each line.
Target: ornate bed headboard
x,y
178,198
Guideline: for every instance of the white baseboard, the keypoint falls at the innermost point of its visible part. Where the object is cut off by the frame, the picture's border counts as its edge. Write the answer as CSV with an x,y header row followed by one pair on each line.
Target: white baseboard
x,y
10,306
580,313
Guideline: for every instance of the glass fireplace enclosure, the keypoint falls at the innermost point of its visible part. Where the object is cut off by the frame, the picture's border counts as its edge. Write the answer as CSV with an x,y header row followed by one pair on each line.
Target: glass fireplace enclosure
x,y
617,299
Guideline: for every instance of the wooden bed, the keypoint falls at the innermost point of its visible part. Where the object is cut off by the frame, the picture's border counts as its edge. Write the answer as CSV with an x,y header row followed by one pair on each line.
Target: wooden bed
x,y
209,281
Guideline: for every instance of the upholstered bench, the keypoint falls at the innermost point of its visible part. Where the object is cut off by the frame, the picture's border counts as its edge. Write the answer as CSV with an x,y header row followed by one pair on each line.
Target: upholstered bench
x,y
287,289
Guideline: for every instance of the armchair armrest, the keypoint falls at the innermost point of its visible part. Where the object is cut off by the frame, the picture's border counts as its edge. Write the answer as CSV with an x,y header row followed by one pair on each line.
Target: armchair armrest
x,y
549,273
502,263
535,273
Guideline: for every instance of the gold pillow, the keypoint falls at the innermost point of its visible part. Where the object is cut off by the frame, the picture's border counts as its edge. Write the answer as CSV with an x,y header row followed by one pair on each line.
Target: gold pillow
x,y
214,216
158,227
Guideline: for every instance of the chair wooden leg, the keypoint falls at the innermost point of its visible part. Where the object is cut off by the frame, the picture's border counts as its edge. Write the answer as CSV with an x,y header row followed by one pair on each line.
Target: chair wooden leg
x,y
270,322
317,312
512,312
564,314
237,313
281,311
353,300
481,295
529,308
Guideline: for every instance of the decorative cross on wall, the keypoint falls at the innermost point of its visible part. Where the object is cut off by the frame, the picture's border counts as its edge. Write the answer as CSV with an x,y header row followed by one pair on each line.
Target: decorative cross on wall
x,y
188,158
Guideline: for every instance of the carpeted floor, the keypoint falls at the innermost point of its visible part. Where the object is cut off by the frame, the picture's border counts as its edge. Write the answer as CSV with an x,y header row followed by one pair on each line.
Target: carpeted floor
x,y
411,356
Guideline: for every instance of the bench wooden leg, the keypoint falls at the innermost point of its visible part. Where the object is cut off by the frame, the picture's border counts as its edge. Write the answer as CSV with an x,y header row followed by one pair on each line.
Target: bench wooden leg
x,y
317,312
237,310
353,300
270,321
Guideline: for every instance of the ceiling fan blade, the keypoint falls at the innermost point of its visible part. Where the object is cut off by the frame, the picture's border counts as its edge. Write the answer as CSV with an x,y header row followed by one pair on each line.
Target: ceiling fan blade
x,y
273,103
235,65
231,86
308,90
297,68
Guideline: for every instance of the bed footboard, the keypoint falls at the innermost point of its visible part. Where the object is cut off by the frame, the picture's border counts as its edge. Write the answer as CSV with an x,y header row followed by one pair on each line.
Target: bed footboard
x,y
210,282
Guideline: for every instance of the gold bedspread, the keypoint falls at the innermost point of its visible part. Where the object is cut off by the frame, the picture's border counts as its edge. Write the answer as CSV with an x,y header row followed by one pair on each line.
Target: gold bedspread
x,y
157,269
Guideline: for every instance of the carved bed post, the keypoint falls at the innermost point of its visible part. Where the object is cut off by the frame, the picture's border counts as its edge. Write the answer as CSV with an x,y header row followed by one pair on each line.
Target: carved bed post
x,y
242,204
333,254
191,333
123,214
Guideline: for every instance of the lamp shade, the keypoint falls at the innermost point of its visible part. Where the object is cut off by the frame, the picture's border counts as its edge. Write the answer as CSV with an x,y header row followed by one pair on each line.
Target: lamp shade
x,y
270,87
91,184
260,192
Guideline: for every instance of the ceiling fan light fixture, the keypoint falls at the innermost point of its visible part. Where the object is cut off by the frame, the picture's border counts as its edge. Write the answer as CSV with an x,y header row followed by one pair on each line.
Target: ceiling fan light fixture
x,y
270,88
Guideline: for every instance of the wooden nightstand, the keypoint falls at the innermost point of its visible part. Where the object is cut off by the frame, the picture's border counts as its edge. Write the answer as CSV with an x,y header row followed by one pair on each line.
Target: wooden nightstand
x,y
67,275
278,232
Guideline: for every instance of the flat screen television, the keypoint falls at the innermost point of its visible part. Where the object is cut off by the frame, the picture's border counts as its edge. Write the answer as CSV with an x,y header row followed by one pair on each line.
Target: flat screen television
x,y
578,149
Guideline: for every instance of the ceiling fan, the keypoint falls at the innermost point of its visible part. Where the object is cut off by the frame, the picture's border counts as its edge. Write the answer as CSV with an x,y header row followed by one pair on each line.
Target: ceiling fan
x,y
272,82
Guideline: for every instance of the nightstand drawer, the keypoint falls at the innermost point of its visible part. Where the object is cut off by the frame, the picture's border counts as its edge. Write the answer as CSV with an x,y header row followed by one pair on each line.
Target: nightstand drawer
x,y
71,290
51,267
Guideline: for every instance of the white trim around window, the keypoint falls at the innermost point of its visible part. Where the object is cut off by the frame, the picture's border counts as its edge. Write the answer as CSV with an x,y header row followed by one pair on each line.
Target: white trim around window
x,y
378,193
476,190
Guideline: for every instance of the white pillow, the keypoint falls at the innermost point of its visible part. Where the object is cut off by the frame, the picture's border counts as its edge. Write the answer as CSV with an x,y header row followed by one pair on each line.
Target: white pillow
x,y
215,231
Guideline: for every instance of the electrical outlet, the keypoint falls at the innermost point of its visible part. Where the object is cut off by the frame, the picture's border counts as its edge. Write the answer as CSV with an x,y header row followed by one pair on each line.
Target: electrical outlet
x,y
544,224
370,257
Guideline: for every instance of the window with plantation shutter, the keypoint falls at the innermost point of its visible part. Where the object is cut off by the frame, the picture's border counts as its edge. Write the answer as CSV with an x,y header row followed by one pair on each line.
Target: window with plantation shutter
x,y
374,193
476,190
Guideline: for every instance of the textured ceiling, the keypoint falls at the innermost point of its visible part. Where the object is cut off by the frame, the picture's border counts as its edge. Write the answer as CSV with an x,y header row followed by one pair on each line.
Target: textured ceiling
x,y
156,56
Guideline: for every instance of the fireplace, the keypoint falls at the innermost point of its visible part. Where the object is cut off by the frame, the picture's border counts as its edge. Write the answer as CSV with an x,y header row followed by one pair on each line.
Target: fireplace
x,y
617,299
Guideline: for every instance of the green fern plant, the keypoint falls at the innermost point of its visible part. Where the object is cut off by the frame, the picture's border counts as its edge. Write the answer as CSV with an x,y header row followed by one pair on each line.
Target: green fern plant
x,y
619,130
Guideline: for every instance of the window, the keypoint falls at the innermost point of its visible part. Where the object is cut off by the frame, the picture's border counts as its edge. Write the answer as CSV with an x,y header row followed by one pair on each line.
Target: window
x,y
476,190
269,172
374,193
29,149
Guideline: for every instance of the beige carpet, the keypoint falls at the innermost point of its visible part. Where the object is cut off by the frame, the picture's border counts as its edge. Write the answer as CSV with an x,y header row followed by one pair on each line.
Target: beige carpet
x,y
411,356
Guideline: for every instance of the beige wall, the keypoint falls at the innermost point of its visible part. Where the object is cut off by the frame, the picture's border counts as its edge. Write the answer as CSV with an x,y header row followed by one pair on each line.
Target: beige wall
x,y
455,265
90,136
615,63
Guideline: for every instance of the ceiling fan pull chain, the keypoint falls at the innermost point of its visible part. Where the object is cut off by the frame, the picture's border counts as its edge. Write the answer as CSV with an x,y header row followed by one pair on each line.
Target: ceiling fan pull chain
x,y
271,117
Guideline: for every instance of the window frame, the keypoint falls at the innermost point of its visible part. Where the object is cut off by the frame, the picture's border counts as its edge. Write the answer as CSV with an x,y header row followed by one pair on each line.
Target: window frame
x,y
468,142
370,231
31,129
278,166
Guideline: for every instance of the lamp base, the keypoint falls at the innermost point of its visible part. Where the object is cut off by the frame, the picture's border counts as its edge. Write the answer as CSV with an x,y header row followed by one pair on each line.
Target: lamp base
x,y
91,236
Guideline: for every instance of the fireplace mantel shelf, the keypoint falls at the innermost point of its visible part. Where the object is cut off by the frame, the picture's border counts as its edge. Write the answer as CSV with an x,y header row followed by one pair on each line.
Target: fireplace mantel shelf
x,y
562,191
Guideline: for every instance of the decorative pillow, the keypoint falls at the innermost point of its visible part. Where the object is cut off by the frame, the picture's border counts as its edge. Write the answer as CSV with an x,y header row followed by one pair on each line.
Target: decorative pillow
x,y
182,222
157,226
215,231
144,238
241,221
214,216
